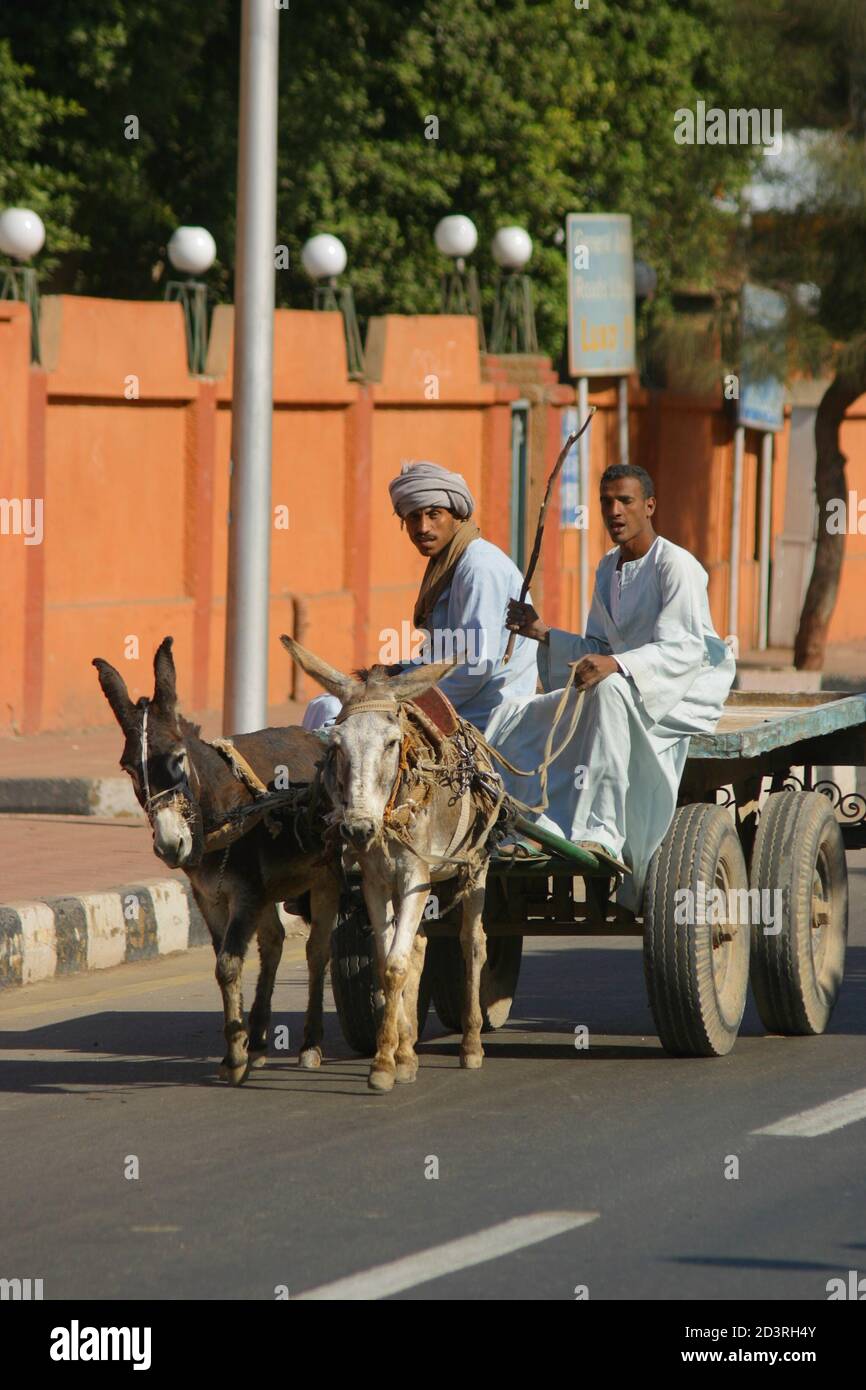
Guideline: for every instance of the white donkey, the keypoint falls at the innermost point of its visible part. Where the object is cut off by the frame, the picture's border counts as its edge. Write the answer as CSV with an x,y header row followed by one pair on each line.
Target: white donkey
x,y
411,803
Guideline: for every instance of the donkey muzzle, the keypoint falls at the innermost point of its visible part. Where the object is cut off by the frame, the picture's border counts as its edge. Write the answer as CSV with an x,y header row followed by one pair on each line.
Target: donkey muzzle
x,y
358,833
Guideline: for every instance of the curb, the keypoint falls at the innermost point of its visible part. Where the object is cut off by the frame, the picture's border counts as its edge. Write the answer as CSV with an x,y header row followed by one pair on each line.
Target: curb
x,y
92,931
69,796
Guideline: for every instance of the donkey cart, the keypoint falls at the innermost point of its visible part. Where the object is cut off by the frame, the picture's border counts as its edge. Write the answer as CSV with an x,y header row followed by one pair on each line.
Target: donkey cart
x,y
749,882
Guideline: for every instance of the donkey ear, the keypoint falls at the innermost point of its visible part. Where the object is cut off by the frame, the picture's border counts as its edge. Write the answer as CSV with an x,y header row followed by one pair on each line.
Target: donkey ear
x,y
327,676
164,690
411,683
115,691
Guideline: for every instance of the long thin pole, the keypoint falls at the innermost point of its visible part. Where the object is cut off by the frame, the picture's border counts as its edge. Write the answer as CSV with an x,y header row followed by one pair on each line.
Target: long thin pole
x,y
583,456
622,416
736,512
249,549
764,553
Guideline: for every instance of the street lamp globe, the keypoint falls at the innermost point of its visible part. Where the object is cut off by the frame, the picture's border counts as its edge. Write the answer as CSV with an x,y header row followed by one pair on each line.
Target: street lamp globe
x,y
456,235
192,250
512,248
324,256
22,233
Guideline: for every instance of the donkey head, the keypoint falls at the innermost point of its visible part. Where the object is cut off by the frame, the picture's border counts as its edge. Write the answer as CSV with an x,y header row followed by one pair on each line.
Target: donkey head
x,y
364,754
155,757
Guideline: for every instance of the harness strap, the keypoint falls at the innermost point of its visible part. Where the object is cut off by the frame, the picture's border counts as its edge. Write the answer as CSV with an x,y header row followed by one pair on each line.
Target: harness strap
x,y
387,706
462,824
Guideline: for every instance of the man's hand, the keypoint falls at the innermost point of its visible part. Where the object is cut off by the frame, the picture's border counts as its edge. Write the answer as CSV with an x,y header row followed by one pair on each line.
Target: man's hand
x,y
592,669
523,619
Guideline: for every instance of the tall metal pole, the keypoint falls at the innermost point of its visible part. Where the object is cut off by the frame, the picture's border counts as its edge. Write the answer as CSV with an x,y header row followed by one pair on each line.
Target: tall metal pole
x,y
249,550
764,552
736,513
583,458
622,416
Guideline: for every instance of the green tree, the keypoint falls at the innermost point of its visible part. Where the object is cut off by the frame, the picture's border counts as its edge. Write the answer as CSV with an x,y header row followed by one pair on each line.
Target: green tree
x,y
27,116
821,82
542,109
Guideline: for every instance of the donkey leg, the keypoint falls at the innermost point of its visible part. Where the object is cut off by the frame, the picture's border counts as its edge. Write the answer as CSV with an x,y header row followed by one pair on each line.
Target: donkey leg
x,y
406,1056
229,970
324,905
474,944
383,1072
271,935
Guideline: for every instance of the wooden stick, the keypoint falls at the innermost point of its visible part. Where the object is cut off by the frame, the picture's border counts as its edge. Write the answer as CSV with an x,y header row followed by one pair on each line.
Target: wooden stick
x,y
536,549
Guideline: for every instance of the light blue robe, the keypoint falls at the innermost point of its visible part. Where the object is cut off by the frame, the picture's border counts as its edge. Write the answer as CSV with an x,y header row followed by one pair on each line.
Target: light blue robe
x,y
473,608
617,780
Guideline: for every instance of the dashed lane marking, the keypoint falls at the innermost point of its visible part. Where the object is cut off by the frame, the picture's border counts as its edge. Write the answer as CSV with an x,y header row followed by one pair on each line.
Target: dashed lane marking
x,y
384,1280
823,1119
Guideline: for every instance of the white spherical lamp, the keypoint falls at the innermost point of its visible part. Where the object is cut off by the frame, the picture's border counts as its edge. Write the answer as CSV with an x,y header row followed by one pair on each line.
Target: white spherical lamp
x,y
456,235
323,256
22,233
512,248
192,250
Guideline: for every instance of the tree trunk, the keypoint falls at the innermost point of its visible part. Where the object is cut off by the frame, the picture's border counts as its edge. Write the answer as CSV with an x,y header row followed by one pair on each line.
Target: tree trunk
x,y
830,483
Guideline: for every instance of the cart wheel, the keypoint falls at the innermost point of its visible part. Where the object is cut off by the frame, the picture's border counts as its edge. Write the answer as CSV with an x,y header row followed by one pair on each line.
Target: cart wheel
x,y
498,978
797,969
354,979
697,973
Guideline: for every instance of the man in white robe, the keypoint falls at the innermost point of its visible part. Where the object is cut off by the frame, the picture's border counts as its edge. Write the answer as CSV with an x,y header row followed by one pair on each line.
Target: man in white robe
x,y
462,602
653,671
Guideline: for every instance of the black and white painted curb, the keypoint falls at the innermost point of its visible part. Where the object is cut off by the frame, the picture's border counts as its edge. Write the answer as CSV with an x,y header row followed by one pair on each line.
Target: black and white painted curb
x,y
68,796
92,931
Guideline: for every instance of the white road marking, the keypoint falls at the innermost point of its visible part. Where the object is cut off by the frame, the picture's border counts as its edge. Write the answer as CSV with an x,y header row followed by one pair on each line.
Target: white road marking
x,y
823,1119
383,1280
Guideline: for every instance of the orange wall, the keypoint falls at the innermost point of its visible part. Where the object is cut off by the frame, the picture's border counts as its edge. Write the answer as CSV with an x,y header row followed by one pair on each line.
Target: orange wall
x,y
131,456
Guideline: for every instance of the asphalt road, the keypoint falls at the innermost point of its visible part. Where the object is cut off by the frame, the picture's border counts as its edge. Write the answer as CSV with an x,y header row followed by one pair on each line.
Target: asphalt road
x,y
299,1180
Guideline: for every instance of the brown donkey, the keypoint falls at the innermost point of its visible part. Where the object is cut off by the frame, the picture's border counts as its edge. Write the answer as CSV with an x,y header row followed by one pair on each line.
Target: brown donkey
x,y
186,788
414,806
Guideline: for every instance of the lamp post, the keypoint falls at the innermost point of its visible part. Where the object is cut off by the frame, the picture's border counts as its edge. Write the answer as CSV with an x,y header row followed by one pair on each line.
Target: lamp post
x,y
513,311
22,235
245,703
192,251
324,259
456,236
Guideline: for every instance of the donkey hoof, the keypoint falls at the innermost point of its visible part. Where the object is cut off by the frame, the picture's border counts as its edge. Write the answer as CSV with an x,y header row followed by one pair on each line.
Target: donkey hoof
x,y
310,1058
407,1072
471,1061
381,1081
258,1059
235,1076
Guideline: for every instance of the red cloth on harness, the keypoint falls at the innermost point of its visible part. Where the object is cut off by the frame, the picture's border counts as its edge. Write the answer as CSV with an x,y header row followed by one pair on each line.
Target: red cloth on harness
x,y
438,709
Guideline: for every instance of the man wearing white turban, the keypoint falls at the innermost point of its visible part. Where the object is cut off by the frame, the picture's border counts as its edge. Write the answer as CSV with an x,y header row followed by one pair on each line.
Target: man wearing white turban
x,y
462,601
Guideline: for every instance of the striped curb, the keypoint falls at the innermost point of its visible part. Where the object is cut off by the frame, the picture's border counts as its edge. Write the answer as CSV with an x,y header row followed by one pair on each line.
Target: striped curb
x,y
69,796
92,931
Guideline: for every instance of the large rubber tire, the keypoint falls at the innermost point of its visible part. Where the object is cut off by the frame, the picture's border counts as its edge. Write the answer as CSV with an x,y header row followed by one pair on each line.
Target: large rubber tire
x,y
499,977
498,980
697,974
354,980
797,971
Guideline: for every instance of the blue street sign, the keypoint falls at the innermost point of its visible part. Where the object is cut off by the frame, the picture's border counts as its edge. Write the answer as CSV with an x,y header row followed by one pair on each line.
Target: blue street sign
x,y
761,404
600,294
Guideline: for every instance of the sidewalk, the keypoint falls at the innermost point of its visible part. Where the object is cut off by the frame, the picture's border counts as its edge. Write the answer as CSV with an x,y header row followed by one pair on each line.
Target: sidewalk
x,y
81,890
78,773
844,669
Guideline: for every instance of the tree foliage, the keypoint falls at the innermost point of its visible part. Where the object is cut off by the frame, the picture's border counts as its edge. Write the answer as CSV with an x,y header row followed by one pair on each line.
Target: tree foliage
x,y
542,109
